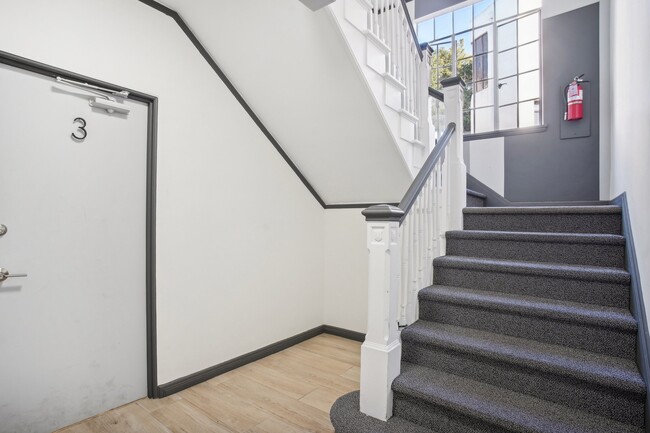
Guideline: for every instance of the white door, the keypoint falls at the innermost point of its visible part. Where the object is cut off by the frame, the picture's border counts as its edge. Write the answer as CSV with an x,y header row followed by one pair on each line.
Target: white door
x,y
72,333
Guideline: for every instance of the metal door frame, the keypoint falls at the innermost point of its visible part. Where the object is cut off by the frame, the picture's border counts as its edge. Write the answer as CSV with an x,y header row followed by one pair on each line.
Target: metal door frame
x,y
153,390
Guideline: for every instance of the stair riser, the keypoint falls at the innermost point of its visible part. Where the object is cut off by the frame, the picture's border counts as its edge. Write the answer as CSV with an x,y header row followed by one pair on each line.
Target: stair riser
x,y
553,223
443,419
473,201
566,253
615,404
547,330
588,292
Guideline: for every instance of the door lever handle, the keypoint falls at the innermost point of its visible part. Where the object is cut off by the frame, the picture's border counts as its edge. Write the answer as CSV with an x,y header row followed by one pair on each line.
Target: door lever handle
x,y
4,274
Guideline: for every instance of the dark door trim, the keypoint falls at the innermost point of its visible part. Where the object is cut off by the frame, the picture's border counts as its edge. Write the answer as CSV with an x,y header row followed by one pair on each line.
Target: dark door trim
x,y
152,136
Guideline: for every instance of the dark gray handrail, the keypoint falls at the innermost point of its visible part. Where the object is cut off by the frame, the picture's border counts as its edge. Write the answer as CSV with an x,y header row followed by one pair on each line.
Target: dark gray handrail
x,y
385,212
437,94
415,35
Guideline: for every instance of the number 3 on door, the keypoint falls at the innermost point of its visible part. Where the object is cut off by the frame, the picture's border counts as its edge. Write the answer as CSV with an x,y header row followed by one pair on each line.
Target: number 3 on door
x,y
81,128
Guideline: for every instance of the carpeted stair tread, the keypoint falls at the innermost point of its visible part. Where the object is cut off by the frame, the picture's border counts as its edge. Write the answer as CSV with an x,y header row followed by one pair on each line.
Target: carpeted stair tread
x,y
588,314
553,270
562,238
607,371
504,409
347,418
545,210
605,250
562,219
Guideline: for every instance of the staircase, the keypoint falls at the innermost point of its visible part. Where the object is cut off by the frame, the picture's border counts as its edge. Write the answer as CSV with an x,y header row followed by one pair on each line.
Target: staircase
x,y
526,329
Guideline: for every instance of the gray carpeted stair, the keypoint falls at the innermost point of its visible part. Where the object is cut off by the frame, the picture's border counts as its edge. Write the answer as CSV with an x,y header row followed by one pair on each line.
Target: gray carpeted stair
x,y
576,249
554,219
455,404
527,328
599,384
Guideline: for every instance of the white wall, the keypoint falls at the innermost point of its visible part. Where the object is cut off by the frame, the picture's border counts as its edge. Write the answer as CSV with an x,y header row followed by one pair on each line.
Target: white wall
x,y
551,8
487,163
345,270
630,127
240,239
296,71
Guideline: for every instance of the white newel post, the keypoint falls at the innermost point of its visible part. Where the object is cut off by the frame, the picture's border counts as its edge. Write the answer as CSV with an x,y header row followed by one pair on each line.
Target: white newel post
x,y
453,89
381,351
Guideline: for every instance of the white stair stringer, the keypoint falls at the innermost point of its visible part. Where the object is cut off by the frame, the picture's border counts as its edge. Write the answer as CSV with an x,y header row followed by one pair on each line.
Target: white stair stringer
x,y
371,56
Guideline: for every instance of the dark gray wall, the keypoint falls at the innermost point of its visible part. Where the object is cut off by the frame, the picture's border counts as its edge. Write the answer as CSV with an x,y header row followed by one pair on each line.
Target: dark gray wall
x,y
426,7
541,167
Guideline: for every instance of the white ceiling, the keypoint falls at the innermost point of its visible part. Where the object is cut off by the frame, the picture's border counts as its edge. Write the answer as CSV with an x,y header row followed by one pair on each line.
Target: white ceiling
x,y
294,69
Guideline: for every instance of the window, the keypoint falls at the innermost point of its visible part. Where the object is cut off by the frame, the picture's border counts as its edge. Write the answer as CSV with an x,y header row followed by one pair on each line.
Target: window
x,y
494,46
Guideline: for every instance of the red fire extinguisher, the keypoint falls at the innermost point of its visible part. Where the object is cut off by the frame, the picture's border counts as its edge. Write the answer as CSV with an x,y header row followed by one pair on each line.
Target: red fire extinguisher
x,y
574,98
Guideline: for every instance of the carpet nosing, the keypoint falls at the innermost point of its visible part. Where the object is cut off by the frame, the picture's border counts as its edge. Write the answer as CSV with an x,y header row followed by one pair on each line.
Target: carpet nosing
x,y
627,322
400,386
542,366
540,269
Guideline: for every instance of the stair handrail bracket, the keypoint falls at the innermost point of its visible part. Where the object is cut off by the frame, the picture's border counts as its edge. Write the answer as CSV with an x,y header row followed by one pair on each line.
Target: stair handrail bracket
x,y
402,242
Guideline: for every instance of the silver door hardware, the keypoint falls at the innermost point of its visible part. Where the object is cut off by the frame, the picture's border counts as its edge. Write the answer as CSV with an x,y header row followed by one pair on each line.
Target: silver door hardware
x,y
3,229
106,99
4,274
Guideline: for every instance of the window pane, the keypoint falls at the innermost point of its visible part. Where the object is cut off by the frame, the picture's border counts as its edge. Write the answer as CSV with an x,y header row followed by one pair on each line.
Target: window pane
x,y
528,29
528,57
441,54
529,114
443,26
467,122
483,93
507,90
529,5
425,31
444,72
529,85
484,119
483,12
464,45
508,36
483,40
468,97
483,67
505,8
463,19
508,63
464,69
435,82
508,117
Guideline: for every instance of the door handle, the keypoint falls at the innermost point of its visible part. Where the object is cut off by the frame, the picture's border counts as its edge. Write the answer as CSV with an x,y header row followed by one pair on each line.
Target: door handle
x,y
4,274
3,230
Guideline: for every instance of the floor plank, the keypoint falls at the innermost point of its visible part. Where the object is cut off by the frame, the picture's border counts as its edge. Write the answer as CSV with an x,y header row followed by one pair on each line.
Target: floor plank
x,y
288,392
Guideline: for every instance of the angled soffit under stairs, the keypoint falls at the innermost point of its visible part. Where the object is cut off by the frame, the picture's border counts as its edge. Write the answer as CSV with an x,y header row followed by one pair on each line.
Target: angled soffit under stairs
x,y
293,68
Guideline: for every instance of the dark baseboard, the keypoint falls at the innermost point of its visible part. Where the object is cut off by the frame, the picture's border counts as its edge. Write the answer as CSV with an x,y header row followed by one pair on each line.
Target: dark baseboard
x,y
355,205
190,380
636,300
345,333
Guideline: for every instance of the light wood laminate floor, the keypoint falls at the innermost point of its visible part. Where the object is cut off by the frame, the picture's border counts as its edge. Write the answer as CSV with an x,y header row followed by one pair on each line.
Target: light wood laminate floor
x,y
289,392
